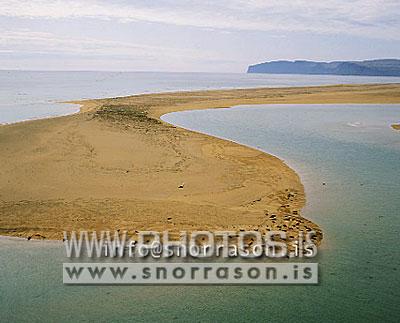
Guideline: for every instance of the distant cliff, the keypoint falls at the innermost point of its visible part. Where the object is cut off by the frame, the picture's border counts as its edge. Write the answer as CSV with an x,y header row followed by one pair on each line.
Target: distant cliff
x,y
378,67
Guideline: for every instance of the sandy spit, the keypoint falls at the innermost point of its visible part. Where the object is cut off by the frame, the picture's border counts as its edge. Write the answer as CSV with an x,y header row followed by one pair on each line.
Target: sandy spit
x,y
116,165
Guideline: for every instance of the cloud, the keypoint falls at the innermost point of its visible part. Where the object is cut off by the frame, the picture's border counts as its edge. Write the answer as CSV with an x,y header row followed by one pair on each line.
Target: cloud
x,y
25,43
368,18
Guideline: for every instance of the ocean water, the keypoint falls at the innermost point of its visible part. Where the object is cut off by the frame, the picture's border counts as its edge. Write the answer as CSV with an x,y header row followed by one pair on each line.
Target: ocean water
x,y
351,148
31,95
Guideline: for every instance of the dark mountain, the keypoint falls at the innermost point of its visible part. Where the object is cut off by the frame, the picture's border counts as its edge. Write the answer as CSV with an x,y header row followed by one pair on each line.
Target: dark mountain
x,y
377,67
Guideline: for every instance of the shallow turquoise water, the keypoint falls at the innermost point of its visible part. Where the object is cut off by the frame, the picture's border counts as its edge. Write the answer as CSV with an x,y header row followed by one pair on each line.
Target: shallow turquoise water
x,y
353,150
349,147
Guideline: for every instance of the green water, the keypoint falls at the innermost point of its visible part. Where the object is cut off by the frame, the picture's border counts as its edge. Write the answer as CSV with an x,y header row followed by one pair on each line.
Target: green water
x,y
349,147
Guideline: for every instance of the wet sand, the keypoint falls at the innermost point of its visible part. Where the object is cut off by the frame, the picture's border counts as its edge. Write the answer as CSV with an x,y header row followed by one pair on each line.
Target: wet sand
x,y
116,165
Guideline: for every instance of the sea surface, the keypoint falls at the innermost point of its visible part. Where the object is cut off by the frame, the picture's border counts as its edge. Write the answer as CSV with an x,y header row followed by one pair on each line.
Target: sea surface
x,y
348,158
350,148
31,95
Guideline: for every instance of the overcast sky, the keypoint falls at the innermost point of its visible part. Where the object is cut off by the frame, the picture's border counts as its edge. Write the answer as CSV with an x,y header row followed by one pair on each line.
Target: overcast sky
x,y
189,35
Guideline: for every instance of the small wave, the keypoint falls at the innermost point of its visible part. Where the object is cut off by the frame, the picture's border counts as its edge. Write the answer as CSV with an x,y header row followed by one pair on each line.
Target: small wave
x,y
354,124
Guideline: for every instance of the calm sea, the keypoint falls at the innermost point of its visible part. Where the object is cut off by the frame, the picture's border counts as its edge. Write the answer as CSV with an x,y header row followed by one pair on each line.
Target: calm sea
x,y
349,147
354,151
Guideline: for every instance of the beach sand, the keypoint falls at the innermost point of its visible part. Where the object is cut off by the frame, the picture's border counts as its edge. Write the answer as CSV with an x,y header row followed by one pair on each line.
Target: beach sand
x,y
116,166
